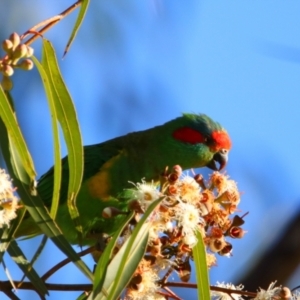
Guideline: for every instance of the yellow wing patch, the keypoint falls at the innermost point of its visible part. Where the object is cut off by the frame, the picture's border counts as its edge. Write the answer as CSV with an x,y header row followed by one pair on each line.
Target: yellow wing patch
x,y
100,185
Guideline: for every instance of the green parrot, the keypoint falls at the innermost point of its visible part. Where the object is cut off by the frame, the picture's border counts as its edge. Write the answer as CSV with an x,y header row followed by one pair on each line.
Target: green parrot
x,y
192,141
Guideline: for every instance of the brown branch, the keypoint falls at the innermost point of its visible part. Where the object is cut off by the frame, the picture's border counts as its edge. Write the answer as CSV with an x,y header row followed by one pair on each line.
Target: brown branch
x,y
48,23
64,262
170,293
10,294
5,286
212,288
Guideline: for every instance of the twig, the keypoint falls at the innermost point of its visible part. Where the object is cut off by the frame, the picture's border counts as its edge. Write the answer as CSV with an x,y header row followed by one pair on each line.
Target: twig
x,y
212,288
10,294
49,23
64,262
171,293
5,286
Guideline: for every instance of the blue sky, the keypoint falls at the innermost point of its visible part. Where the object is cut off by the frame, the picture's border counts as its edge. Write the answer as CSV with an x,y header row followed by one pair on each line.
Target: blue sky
x,y
136,64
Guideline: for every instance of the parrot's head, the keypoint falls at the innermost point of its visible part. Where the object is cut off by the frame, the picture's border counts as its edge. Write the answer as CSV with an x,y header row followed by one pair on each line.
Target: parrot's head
x,y
204,136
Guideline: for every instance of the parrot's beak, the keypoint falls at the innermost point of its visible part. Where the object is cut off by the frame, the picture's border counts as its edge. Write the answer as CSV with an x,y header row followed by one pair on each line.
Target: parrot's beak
x,y
221,158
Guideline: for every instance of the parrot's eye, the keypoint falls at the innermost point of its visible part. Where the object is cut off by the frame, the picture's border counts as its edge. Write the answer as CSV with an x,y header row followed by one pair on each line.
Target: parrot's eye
x,y
223,151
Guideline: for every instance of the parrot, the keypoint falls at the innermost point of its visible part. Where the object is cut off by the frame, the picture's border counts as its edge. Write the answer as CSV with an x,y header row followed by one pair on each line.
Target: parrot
x,y
191,141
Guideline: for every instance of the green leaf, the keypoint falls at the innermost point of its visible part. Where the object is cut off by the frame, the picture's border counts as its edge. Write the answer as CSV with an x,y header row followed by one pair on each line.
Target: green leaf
x,y
36,208
38,252
202,277
17,255
125,262
106,257
57,156
67,118
41,216
79,20
9,119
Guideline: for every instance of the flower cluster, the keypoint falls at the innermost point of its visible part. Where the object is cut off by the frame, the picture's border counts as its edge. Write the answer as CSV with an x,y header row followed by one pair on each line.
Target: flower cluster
x,y
8,201
222,295
189,205
226,291
17,56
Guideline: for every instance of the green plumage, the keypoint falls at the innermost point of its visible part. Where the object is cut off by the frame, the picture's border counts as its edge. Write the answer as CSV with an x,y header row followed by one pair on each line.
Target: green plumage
x,y
109,166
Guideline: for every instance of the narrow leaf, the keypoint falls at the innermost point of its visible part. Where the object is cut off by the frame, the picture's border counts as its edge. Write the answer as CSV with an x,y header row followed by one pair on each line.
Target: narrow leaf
x,y
67,118
37,252
106,256
79,20
202,277
17,255
9,119
124,264
57,156
36,208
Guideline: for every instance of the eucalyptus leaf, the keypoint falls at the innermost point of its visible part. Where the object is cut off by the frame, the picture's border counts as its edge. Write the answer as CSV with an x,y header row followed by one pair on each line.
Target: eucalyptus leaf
x,y
36,208
125,262
9,119
17,255
199,254
106,256
79,20
67,118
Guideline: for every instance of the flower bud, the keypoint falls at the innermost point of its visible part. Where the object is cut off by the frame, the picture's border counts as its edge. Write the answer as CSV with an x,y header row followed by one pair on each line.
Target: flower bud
x,y
7,70
285,293
177,170
20,51
110,212
7,46
26,64
30,51
15,39
200,180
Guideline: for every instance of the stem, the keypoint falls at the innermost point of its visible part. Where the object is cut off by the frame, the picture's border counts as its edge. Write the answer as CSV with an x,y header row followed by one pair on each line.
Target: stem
x,y
6,287
212,288
64,262
48,23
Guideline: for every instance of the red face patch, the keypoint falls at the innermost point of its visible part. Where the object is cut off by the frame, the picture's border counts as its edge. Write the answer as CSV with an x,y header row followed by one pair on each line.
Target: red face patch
x,y
221,140
189,135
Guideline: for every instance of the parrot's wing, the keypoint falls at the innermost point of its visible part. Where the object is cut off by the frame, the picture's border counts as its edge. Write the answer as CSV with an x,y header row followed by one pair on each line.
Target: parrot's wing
x,y
94,157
